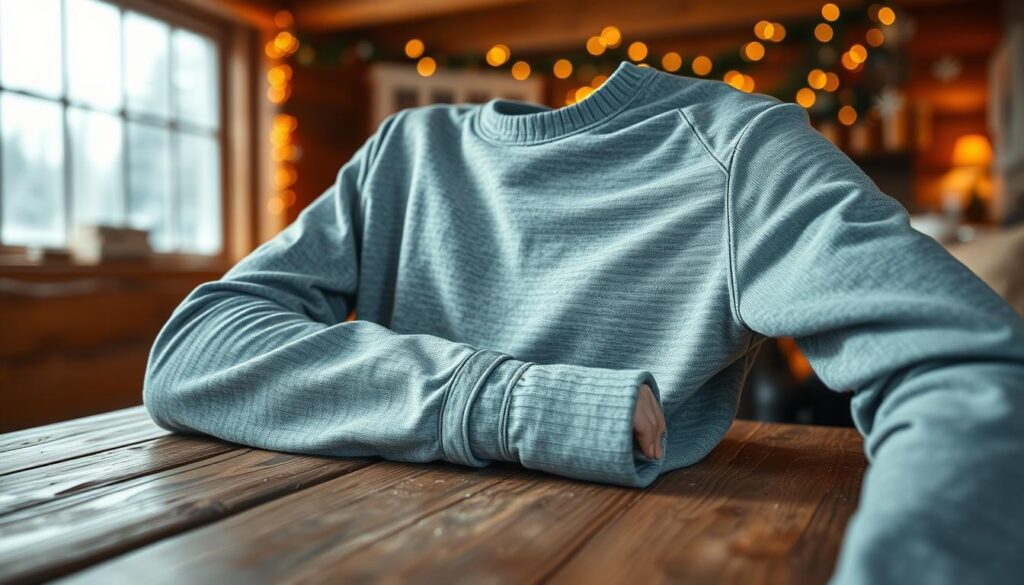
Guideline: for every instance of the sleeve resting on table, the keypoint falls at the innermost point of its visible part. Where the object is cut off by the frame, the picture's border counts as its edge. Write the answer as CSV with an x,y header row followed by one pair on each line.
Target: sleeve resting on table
x,y
934,356
264,357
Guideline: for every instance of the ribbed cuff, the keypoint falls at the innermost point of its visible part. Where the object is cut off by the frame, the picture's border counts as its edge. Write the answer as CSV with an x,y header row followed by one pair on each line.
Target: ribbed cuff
x,y
574,421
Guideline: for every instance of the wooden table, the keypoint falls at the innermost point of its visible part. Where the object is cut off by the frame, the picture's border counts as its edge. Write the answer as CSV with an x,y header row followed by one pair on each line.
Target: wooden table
x,y
114,498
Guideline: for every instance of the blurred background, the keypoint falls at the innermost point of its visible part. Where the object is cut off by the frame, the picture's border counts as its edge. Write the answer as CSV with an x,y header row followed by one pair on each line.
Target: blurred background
x,y
149,144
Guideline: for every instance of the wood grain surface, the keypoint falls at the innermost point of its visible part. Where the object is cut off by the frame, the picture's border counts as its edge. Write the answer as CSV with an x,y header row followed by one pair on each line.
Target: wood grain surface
x,y
769,505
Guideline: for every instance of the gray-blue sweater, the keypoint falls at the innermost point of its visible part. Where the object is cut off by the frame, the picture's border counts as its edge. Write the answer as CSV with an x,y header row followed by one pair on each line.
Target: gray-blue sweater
x,y
517,271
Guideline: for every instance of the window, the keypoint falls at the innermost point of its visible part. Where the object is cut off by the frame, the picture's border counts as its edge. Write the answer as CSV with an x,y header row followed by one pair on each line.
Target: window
x,y
107,117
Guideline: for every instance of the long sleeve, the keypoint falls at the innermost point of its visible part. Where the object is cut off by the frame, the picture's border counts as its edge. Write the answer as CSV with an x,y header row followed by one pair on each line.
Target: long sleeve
x,y
264,357
935,358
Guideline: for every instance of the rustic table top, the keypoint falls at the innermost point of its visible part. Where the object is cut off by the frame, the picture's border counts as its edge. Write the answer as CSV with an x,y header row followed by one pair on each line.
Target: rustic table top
x,y
114,498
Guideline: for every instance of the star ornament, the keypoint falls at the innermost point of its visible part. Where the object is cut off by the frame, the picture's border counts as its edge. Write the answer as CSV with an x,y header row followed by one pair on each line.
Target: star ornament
x,y
889,102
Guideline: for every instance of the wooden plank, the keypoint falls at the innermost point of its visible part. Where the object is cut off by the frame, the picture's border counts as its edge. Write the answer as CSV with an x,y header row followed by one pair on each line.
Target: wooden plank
x,y
52,539
320,525
62,441
32,487
769,505
517,531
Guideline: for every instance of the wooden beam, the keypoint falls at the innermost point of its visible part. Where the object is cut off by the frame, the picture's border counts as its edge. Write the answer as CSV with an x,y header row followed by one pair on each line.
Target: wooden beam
x,y
347,14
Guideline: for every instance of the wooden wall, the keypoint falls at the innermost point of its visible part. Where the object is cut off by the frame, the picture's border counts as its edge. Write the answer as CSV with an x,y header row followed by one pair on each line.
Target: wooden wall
x,y
77,344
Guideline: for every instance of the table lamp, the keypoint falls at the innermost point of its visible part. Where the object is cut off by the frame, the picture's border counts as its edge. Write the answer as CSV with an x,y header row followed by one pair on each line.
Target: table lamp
x,y
967,188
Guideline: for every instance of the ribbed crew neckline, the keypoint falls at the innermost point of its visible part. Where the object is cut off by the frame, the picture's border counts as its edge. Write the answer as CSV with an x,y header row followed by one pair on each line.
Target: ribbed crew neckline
x,y
518,122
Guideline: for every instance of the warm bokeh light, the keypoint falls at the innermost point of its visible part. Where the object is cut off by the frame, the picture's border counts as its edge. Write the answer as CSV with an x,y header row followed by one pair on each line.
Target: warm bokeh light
x,y
847,115
498,55
583,92
279,75
748,84
701,65
521,70
848,61
805,97
733,78
875,37
754,51
279,94
778,32
562,68
823,32
285,176
612,36
288,197
426,66
275,205
283,19
286,122
886,15
598,80
414,48
831,82
764,30
637,51
972,150
285,42
570,97
858,53
817,79
671,62
595,45
830,12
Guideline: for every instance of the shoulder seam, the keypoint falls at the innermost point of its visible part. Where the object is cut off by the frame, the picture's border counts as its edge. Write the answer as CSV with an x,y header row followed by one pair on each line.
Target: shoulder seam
x,y
700,138
734,294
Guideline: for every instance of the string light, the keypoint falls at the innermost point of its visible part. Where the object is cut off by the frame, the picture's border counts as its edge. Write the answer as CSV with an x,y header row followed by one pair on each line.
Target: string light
x,y
671,61
611,36
858,53
886,15
279,90
583,92
562,68
830,12
847,115
498,55
701,65
748,84
805,97
753,51
733,78
598,81
817,79
831,82
875,37
595,46
778,32
637,51
823,32
764,30
414,48
426,66
521,70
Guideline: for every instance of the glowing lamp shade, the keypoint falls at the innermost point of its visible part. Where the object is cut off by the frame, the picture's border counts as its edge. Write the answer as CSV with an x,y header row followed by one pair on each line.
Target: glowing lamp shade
x,y
972,150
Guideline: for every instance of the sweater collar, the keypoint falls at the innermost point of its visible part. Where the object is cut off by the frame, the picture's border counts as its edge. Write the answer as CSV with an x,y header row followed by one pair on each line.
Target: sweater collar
x,y
517,122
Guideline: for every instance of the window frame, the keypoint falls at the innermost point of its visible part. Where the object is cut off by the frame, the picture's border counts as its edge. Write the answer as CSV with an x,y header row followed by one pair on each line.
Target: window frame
x,y
176,16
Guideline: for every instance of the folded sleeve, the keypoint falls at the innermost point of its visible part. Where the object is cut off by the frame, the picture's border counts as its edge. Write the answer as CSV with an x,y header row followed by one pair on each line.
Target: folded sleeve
x,y
265,357
934,357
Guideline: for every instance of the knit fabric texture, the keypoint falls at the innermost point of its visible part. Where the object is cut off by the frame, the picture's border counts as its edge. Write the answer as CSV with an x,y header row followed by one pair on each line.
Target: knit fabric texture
x,y
517,271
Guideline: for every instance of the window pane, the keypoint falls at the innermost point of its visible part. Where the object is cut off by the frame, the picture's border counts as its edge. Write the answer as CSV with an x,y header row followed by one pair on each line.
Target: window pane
x,y
195,78
33,171
146,64
97,189
30,45
94,53
199,186
149,183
